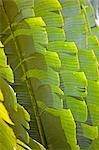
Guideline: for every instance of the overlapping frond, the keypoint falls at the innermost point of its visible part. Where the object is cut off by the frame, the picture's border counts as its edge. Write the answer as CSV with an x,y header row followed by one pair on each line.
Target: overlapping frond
x,y
52,47
37,70
11,127
77,18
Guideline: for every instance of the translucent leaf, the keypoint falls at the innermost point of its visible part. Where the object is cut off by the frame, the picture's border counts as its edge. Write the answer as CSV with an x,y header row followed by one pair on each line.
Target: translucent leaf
x,y
37,21
59,34
68,54
48,5
7,73
76,83
15,110
93,44
51,18
53,60
1,96
89,64
44,76
5,70
78,108
4,114
7,137
89,131
3,60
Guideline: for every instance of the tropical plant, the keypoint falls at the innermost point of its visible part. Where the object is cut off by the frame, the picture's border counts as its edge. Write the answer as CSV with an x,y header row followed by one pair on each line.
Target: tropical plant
x,y
52,48
13,117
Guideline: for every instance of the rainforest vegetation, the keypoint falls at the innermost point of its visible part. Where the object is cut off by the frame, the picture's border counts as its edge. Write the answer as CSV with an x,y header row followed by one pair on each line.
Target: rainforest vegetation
x,y
49,75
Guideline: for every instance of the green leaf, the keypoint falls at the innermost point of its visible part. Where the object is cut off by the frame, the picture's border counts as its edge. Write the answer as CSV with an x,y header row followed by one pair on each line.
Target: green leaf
x,y
59,34
76,29
52,59
76,83
20,9
15,111
70,8
91,15
93,93
35,145
23,145
49,5
1,96
47,94
78,108
95,32
89,131
89,64
7,137
4,114
3,60
93,43
43,76
5,70
51,18
68,53
59,122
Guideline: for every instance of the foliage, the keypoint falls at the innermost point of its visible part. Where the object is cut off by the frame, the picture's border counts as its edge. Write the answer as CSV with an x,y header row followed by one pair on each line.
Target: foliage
x,y
52,47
